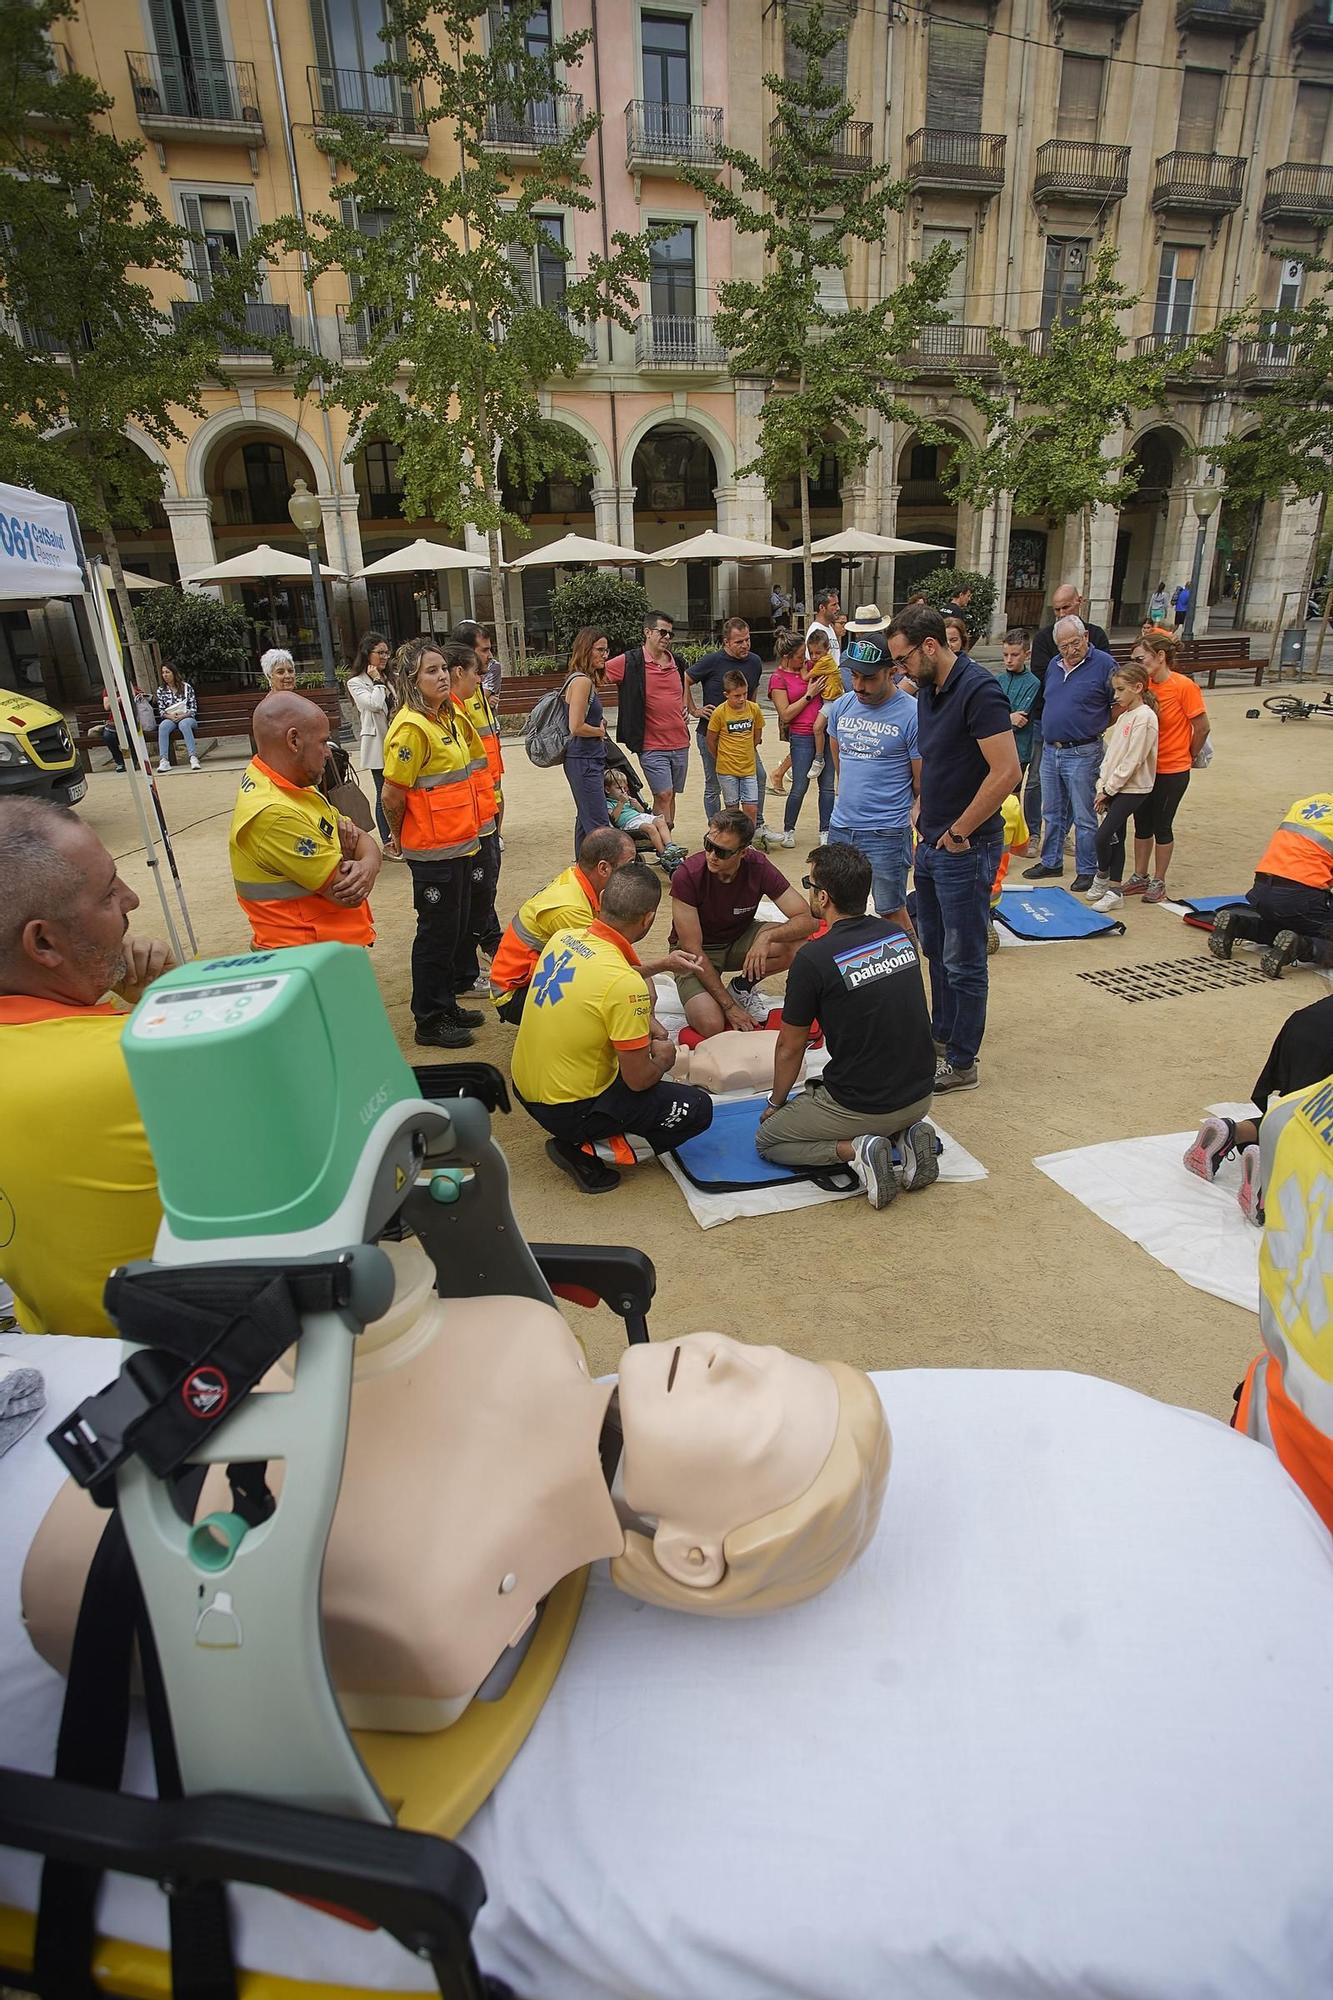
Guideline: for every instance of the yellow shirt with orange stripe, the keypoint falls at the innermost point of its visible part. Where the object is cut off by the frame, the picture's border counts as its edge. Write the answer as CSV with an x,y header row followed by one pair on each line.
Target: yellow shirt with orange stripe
x,y
78,1188
480,711
284,847
569,903
1302,848
435,760
588,1000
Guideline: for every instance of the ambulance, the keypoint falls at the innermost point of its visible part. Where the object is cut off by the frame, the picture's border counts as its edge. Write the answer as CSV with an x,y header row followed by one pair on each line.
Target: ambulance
x,y
38,758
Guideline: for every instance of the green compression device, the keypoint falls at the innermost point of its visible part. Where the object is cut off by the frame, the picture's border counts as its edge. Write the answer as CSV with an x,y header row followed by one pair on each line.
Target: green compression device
x,y
260,1079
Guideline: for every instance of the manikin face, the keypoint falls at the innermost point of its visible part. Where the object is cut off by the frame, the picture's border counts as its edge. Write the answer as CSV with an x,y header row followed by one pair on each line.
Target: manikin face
x,y
717,1434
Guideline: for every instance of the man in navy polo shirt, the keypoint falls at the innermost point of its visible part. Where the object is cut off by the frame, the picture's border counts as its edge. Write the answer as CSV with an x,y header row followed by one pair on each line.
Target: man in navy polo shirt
x,y
1076,709
969,764
704,692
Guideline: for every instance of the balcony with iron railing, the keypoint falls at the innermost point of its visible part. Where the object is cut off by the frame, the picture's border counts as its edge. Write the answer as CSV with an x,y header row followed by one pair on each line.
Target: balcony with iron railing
x,y
1234,17
1204,183
263,322
386,104
969,162
951,350
670,344
196,99
532,126
659,138
1265,361
1295,192
1081,170
1115,11
848,152
1314,28
1169,348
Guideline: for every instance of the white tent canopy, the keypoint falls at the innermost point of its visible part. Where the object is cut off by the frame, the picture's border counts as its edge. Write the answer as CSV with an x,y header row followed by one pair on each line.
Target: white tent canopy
x,y
712,547
133,580
261,565
571,549
423,555
857,542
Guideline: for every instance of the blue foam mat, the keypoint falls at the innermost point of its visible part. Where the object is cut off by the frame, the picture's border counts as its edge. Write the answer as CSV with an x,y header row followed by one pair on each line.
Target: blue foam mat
x,y
1208,906
724,1156
1051,913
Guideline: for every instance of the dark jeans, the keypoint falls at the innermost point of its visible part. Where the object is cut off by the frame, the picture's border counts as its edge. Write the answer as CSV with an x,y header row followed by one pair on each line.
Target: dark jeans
x,y
442,898
483,928
380,820
1292,906
1111,834
953,919
107,732
663,1116
802,748
1032,791
586,777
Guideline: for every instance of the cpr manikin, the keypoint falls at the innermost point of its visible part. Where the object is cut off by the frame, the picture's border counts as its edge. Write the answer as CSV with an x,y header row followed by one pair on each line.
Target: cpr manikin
x,y
731,1061
473,1483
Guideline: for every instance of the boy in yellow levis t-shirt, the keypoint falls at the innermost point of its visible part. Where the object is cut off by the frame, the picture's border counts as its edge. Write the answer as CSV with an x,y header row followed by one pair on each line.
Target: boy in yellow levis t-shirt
x,y
734,730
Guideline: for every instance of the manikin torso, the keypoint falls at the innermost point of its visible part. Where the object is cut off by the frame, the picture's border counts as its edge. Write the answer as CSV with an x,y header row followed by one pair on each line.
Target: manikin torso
x,y
733,1060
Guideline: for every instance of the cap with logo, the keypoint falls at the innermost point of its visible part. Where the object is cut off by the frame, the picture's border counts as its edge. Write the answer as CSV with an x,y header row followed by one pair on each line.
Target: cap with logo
x,y
866,647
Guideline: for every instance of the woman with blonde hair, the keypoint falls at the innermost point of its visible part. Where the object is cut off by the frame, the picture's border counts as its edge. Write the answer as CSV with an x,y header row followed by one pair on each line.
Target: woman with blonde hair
x,y
1182,731
585,753
431,756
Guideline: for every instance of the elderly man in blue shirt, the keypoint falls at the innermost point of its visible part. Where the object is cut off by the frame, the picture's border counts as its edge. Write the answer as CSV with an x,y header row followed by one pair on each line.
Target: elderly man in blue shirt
x,y
1077,702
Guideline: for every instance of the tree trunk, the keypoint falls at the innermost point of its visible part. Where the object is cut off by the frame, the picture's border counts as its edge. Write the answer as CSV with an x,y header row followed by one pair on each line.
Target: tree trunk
x,y
807,566
498,599
143,667
1087,561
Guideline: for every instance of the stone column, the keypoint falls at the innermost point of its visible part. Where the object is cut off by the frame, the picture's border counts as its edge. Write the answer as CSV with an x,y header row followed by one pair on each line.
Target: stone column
x,y
1105,528
1281,563
606,514
1211,526
999,518
1177,542
625,498
741,589
191,518
349,612
479,580
884,568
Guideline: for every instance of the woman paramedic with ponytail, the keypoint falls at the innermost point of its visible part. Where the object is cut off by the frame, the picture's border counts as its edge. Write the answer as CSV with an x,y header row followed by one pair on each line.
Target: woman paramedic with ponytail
x,y
432,755
469,694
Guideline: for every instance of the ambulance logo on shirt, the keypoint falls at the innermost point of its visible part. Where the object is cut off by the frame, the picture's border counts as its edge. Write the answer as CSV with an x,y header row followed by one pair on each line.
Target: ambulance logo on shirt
x,y
553,975
306,846
1316,810
404,754
880,960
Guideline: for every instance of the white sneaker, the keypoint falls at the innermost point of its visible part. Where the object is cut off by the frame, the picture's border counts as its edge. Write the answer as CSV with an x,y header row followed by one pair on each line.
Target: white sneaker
x,y
1100,885
788,840
872,1160
824,838
481,984
816,769
1110,901
164,764
756,1004
195,765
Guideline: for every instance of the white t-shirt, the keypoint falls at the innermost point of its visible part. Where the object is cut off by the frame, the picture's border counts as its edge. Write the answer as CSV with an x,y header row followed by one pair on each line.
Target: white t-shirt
x,y
832,638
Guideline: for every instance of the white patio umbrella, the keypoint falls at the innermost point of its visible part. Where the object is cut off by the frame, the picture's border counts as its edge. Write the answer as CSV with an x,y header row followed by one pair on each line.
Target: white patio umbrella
x,y
857,542
423,555
712,547
572,549
261,565
133,580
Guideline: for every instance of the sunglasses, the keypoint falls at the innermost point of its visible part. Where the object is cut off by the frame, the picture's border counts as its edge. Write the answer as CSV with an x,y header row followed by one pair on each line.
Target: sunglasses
x,y
666,632
808,882
722,853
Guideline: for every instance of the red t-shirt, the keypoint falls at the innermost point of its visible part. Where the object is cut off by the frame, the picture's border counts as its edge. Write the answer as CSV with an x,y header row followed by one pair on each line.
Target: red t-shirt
x,y
664,724
726,908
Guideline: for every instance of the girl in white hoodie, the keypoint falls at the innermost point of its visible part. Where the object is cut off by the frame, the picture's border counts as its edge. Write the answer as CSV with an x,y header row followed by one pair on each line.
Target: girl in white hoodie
x,y
1128,773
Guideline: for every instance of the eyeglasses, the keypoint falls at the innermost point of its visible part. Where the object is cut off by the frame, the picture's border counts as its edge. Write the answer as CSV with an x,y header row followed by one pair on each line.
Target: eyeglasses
x,y
900,659
722,853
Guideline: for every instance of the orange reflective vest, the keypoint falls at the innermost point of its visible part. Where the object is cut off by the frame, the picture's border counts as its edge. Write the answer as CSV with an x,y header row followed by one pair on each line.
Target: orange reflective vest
x,y
486,781
440,822
1266,1413
1302,848
569,903
284,847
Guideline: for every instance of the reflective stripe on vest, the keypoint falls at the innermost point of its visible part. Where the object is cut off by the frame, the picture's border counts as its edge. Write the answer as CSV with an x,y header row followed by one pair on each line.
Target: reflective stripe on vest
x,y
274,892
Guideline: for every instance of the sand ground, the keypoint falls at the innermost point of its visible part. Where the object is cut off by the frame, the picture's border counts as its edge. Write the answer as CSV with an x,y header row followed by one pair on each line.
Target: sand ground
x,y
1010,1273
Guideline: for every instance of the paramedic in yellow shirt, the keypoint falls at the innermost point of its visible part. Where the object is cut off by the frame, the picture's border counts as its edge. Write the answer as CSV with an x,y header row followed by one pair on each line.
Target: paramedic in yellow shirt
x,y
78,1188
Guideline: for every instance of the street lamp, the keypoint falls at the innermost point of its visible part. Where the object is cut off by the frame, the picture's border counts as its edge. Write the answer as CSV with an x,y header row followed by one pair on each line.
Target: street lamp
x,y
1204,501
307,517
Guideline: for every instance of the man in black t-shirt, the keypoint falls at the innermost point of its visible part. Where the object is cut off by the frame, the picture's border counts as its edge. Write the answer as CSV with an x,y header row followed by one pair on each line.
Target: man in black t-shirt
x,y
704,691
861,980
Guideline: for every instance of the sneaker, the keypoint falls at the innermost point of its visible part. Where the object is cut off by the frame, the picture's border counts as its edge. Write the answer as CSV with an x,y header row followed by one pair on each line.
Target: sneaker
x,y
941,1051
1098,887
919,1154
441,1032
872,1160
992,939
1155,891
1137,885
465,1017
481,984
756,1004
824,838
1281,952
1222,937
1249,1195
1081,884
164,764
817,767
788,840
589,1174
1110,901
947,1077
1042,873
1033,848
195,765
1216,1139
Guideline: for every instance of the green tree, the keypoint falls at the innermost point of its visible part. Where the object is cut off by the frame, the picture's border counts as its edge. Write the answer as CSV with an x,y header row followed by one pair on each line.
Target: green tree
x,y
1065,394
810,206
614,604
85,252
939,585
207,640
457,343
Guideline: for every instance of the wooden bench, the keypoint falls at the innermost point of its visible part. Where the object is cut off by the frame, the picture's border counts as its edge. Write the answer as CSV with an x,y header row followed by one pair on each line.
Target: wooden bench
x,y
220,715
1222,653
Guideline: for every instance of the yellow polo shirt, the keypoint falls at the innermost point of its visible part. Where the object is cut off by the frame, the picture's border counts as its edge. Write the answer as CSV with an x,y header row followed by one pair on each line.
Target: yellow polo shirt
x,y
587,1000
284,847
78,1188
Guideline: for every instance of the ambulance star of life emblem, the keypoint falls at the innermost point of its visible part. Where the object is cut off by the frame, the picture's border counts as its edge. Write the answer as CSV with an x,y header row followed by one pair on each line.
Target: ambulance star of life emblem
x,y
549,985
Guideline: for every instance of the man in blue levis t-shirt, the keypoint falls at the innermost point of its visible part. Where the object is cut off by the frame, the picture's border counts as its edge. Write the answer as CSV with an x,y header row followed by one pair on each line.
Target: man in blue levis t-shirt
x,y
1076,709
872,734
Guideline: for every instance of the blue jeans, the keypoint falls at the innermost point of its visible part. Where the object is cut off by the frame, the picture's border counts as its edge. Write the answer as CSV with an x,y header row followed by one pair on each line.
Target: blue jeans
x,y
1032,790
888,849
1068,788
802,750
586,777
739,790
164,729
712,790
953,919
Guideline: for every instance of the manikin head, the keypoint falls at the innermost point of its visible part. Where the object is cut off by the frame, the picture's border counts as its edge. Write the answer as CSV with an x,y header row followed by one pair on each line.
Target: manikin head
x,y
292,737
279,669
64,911
763,1473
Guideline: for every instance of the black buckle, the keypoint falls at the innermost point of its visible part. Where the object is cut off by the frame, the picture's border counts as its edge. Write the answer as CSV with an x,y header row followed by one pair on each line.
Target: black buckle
x,y
92,1443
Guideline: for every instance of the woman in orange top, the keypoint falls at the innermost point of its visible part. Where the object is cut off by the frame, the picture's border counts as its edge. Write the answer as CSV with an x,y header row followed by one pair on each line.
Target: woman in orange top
x,y
1182,730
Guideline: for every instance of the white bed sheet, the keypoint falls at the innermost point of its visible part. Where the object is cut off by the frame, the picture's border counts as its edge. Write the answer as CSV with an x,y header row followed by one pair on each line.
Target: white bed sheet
x,y
1065,1731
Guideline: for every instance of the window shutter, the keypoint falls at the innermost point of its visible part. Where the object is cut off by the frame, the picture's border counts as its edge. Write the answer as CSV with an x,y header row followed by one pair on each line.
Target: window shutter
x,y
193,216
244,227
832,281
520,261
320,28
955,77
1309,124
163,26
1200,102
204,30
834,66
1079,114
955,299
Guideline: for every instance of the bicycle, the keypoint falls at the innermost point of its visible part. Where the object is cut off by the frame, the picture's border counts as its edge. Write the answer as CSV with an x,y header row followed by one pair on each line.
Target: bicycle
x,y
1290,707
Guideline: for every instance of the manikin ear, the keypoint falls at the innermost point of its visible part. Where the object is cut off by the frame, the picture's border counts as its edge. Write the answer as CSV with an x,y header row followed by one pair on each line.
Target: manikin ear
x,y
689,1559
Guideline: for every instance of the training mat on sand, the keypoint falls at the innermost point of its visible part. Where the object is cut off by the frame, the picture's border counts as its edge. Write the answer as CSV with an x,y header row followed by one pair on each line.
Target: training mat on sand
x,y
1194,1227
723,1160
778,1196
1208,906
1051,914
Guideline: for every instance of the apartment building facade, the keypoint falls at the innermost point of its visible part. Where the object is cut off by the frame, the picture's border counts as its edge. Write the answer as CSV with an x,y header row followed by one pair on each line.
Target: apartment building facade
x,y
1197,135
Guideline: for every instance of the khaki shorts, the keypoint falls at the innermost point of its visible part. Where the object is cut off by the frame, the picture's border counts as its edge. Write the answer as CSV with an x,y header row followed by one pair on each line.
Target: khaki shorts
x,y
722,958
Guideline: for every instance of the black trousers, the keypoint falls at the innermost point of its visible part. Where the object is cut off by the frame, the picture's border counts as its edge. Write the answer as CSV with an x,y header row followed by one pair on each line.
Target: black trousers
x,y
442,899
1111,834
1292,906
483,927
664,1115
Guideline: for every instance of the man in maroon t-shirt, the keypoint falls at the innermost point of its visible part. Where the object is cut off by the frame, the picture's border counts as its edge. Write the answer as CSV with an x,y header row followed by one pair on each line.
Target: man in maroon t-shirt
x,y
714,898
651,715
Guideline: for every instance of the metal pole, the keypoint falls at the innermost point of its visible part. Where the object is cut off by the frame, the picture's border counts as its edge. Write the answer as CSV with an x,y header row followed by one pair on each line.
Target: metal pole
x,y
1195,575
322,617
